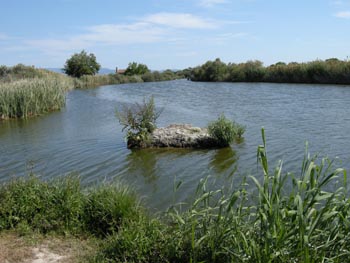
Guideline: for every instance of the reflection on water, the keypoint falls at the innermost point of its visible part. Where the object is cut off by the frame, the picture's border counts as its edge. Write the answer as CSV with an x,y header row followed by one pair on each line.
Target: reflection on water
x,y
86,138
223,161
143,161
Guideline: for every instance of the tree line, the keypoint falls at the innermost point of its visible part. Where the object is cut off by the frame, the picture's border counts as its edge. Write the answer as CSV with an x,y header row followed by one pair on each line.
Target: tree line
x,y
330,71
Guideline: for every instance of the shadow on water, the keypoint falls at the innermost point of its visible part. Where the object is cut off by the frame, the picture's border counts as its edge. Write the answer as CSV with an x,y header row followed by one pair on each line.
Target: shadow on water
x,y
224,161
143,161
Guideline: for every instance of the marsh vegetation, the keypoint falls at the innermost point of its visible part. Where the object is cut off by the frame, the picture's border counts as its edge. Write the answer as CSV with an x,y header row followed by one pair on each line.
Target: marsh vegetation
x,y
308,222
330,71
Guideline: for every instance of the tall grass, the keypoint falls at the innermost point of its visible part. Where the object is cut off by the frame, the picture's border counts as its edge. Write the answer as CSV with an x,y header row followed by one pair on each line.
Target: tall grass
x,y
30,97
304,223
63,206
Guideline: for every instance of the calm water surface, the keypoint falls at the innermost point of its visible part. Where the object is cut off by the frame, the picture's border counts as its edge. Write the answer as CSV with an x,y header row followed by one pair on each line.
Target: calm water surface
x,y
86,138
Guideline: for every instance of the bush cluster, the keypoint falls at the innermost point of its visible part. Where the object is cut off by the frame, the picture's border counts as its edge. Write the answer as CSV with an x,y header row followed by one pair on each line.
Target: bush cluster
x,y
225,131
139,120
330,71
62,206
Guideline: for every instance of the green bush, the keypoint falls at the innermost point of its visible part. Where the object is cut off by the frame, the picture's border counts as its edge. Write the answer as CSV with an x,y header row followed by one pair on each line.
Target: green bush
x,y
139,120
81,64
145,240
136,69
42,206
225,131
108,207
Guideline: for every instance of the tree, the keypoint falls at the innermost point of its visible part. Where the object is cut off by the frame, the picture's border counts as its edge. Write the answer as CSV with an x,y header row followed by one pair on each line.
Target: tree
x,y
81,64
136,69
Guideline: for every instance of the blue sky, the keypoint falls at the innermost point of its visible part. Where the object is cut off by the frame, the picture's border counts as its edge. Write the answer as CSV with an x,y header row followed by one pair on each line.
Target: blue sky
x,y
173,34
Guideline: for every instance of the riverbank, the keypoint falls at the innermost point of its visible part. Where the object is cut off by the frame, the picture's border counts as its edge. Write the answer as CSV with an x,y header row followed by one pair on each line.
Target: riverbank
x,y
308,223
26,91
330,71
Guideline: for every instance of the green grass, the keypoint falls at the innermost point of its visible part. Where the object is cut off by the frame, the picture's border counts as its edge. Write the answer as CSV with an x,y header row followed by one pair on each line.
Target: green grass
x,y
260,220
63,206
26,91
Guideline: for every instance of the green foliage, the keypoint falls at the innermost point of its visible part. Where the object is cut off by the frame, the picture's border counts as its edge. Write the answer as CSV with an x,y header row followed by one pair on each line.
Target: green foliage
x,y
136,69
271,223
139,120
41,206
145,240
330,71
225,131
31,97
108,207
62,206
81,64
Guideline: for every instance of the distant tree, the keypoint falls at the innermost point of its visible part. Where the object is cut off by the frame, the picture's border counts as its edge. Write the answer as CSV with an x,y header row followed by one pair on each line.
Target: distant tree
x,y
136,69
81,64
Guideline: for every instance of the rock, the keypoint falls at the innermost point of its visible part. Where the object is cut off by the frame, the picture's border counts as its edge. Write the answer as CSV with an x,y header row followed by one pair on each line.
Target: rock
x,y
179,136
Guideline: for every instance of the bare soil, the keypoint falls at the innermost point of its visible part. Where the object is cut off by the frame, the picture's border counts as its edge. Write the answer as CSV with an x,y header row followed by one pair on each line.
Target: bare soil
x,y
39,249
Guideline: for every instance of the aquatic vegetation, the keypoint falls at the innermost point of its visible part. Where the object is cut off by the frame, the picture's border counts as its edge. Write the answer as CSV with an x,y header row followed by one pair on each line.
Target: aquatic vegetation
x,y
31,97
225,131
139,120
307,223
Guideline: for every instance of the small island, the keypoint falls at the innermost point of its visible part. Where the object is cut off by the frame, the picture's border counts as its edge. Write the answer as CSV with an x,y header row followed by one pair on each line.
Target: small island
x,y
179,136
139,121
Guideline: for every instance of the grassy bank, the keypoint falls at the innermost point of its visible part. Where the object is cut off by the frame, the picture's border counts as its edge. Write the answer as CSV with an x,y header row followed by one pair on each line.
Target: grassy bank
x,y
31,97
330,71
26,91
114,79
308,221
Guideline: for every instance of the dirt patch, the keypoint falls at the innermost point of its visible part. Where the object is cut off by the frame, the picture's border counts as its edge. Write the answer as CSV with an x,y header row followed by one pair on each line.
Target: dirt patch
x,y
44,255
39,249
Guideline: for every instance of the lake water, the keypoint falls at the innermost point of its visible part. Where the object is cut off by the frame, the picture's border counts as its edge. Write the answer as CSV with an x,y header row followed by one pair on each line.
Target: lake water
x,y
86,137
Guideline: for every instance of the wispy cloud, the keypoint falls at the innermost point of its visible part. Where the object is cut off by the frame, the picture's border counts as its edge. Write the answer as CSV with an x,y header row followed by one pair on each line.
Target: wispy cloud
x,y
180,20
211,3
343,14
4,37
149,29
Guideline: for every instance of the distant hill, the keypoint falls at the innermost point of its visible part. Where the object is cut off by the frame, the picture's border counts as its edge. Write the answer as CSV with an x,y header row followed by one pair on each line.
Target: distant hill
x,y
57,70
103,71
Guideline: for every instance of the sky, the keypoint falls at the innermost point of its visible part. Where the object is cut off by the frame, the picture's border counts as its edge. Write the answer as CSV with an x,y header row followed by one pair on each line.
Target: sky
x,y
173,34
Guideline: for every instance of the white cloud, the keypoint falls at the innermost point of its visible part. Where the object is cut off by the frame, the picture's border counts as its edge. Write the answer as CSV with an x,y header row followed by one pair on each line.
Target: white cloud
x,y
149,29
173,29
180,20
108,34
343,14
210,3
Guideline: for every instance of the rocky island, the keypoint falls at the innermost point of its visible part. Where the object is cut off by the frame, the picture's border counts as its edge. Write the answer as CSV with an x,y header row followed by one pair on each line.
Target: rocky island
x,y
178,136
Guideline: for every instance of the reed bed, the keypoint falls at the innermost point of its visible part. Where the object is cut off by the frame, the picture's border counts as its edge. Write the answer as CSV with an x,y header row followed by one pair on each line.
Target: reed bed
x,y
30,97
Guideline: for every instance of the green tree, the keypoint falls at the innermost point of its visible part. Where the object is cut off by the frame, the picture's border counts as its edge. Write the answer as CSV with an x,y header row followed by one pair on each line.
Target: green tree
x,y
81,64
136,69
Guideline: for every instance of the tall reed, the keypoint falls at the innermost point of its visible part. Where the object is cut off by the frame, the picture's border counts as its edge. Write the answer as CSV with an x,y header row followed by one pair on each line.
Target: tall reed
x,y
30,97
306,222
